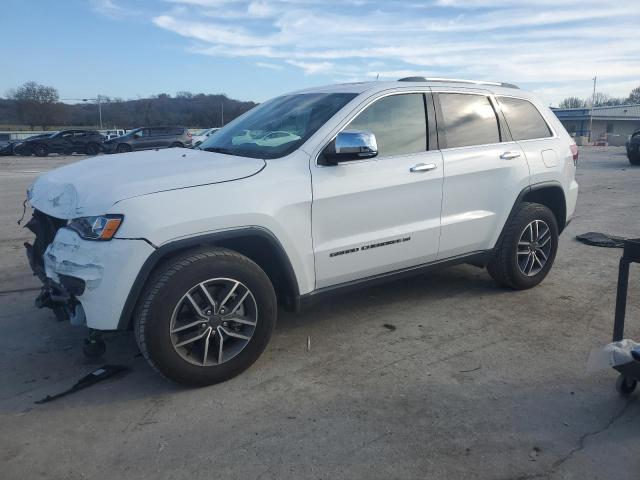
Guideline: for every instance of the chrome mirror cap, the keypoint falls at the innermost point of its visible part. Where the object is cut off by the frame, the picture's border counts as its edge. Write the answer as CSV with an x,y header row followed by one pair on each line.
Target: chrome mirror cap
x,y
356,143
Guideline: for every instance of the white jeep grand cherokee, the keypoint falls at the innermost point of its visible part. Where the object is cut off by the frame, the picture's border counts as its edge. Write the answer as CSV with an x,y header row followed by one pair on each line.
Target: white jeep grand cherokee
x,y
195,249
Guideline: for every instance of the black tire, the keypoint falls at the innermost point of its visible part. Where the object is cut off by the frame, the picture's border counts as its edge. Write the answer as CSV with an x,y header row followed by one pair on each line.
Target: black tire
x,y
634,159
92,149
41,150
168,286
626,385
503,265
123,148
176,145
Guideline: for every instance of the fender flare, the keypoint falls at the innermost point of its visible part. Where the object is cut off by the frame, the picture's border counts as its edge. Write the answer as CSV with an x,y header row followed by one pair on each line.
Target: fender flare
x,y
525,191
208,239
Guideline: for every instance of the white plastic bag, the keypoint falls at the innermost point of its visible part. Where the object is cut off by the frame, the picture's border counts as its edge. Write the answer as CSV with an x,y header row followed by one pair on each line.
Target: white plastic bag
x,y
612,355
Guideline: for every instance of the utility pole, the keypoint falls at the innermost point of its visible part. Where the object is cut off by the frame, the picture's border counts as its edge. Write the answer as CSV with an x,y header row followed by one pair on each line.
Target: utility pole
x,y
100,110
593,101
98,99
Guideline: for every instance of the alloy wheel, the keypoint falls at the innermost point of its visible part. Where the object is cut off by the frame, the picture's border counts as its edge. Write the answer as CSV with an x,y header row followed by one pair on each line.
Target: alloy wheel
x,y
534,248
213,322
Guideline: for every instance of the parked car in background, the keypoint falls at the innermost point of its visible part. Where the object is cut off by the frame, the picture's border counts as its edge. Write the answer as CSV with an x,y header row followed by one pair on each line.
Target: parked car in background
x,y
633,148
19,147
275,139
202,135
109,134
146,138
65,142
6,148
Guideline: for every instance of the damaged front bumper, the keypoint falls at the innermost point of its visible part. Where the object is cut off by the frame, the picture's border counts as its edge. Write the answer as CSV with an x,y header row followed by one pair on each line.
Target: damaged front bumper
x,y
84,281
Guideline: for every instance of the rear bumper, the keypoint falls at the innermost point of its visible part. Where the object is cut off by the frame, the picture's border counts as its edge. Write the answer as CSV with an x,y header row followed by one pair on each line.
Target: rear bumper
x,y
97,276
108,147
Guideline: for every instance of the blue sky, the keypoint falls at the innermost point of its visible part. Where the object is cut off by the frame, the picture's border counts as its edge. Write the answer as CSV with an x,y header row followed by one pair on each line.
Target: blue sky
x,y
256,49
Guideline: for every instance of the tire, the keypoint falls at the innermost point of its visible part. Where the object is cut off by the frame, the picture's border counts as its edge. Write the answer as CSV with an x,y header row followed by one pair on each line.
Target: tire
x,y
507,265
123,148
92,149
634,159
160,330
176,145
41,150
625,385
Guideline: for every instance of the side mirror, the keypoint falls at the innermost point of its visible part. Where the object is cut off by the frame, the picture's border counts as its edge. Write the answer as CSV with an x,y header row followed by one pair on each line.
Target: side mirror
x,y
351,145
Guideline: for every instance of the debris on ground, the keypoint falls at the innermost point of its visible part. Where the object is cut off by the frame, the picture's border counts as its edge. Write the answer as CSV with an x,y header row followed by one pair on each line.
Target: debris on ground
x,y
389,327
98,375
597,239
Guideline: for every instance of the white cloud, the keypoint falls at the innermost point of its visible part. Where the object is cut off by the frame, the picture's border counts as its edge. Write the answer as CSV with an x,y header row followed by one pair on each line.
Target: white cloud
x,y
110,8
271,66
545,44
311,68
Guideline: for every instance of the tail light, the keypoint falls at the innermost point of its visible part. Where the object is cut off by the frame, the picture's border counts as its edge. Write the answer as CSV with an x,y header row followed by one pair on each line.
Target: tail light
x,y
574,152
189,134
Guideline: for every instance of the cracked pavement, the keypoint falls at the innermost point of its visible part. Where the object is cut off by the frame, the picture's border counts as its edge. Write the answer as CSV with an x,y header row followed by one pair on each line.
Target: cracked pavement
x,y
473,382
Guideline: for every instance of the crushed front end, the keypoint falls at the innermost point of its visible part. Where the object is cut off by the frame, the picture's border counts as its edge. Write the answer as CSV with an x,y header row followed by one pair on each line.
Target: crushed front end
x,y
60,294
84,281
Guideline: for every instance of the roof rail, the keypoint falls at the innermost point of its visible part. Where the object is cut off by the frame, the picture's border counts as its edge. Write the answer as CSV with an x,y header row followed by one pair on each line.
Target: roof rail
x,y
457,80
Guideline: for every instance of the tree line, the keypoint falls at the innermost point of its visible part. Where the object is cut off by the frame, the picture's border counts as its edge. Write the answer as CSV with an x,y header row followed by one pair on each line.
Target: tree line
x,y
37,105
601,100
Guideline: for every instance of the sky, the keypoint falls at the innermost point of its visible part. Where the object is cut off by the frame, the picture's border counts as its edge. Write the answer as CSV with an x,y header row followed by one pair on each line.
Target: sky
x,y
257,49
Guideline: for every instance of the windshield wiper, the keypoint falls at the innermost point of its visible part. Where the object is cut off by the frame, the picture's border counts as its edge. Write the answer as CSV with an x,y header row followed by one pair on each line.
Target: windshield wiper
x,y
218,150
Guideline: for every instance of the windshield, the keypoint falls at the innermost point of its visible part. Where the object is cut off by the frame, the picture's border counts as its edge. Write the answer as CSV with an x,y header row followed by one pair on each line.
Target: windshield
x,y
277,127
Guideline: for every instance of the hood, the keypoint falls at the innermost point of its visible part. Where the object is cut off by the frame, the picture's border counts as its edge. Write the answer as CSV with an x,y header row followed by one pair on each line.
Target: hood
x,y
92,186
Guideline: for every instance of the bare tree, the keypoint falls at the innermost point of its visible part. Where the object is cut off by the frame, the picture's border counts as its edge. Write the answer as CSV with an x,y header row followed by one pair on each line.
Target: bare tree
x,y
605,100
634,96
572,102
37,104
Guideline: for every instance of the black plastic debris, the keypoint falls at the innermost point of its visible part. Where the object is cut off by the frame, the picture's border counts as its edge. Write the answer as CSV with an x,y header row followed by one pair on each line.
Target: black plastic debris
x,y
98,375
598,239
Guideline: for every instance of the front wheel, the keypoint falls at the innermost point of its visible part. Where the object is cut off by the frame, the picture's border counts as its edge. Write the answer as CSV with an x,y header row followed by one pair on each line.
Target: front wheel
x,y
41,150
206,317
525,253
123,148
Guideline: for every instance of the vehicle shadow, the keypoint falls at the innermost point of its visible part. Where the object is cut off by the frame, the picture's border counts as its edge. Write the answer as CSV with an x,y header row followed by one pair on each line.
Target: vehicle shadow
x,y
349,312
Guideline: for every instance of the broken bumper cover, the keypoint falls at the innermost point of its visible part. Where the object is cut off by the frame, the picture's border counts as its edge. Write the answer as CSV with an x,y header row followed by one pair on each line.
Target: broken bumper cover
x,y
96,275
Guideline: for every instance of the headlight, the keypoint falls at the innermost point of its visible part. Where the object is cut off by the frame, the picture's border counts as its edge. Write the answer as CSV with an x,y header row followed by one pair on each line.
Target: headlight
x,y
102,227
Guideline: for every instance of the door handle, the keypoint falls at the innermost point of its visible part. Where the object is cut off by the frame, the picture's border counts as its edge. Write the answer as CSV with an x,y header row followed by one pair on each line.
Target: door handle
x,y
509,155
423,167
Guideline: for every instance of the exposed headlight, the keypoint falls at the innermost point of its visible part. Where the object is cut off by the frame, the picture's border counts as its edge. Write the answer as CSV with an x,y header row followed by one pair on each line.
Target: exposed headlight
x,y
101,227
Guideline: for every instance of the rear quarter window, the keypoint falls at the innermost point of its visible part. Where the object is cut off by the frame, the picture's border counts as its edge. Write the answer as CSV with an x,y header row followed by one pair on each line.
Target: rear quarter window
x,y
524,119
468,120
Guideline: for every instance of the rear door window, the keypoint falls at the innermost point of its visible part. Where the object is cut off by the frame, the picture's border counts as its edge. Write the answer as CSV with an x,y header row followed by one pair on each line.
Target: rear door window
x,y
398,122
524,119
468,120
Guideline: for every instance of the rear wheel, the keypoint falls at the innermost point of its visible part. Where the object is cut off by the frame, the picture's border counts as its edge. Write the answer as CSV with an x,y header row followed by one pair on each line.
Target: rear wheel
x,y
92,149
634,158
527,249
41,150
626,385
206,317
123,148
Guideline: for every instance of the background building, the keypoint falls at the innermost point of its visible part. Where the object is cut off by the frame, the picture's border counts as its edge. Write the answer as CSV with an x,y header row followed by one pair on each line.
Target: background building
x,y
610,124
